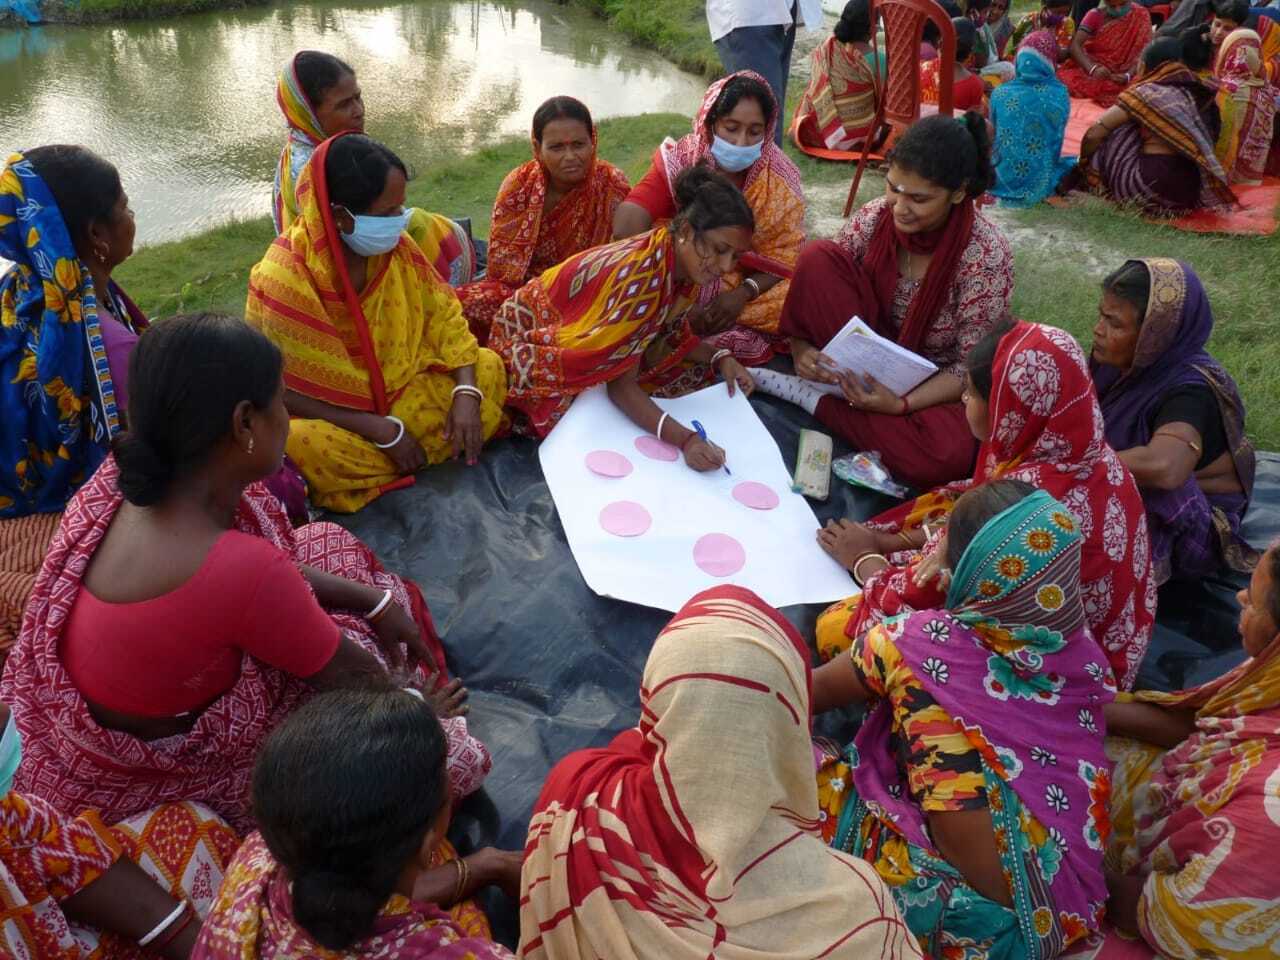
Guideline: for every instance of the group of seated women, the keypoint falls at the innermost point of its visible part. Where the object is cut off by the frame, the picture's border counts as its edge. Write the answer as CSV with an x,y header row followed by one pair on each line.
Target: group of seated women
x,y
1191,112
280,784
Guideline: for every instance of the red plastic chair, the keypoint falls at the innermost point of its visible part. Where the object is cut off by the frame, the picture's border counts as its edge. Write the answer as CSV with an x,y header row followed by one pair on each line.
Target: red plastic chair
x,y
898,104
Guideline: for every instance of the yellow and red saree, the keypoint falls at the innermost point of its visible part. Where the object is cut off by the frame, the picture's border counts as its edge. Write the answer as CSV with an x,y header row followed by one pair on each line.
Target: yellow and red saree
x,y
47,857
524,240
589,320
1247,106
388,349
838,108
1202,821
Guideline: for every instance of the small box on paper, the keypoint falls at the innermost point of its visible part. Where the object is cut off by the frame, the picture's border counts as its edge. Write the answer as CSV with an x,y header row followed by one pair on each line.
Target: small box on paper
x,y
813,465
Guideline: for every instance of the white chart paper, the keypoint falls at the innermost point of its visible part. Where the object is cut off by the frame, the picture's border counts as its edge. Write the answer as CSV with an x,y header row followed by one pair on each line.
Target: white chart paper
x,y
784,563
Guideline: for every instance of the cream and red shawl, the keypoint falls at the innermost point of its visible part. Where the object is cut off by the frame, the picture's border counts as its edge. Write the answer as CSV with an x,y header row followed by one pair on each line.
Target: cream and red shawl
x,y
696,833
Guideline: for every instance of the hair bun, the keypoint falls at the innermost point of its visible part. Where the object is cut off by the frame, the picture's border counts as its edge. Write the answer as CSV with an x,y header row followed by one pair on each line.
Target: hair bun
x,y
145,475
334,909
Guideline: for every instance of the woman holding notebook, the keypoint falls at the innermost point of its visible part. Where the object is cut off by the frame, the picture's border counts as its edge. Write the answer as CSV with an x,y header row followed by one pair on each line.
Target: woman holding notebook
x,y
922,268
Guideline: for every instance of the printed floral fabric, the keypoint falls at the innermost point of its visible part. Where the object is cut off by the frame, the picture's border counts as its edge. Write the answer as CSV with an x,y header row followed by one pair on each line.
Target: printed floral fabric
x,y
1012,668
942,768
1047,429
979,295
57,399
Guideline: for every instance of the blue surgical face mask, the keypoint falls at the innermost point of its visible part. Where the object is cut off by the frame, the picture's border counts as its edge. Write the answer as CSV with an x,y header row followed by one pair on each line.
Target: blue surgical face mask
x,y
374,235
731,157
10,755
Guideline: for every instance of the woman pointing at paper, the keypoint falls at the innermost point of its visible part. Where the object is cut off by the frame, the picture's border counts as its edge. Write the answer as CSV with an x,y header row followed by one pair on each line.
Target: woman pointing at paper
x,y
619,315
923,269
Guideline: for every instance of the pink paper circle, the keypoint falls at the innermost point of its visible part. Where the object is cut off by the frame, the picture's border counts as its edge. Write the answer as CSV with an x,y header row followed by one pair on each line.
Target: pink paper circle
x,y
607,463
655,449
625,518
719,555
755,495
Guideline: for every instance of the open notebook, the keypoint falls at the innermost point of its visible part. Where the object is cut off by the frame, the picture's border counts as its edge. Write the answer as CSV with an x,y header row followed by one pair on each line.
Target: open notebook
x,y
859,349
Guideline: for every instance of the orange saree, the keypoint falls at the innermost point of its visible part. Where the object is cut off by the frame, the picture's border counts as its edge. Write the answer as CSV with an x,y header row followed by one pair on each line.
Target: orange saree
x,y
525,239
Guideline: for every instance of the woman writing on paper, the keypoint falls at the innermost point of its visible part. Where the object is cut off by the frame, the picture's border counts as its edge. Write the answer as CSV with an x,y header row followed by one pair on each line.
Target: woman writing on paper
x,y
923,268
619,315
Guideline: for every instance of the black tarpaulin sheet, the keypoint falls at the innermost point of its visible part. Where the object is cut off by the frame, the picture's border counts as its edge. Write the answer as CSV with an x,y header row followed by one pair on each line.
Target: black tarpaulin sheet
x,y
554,668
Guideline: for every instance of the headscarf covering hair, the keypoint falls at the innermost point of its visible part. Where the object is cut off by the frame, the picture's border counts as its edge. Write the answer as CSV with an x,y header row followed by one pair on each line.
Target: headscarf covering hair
x,y
1047,429
304,135
1011,660
57,399
698,830
1170,353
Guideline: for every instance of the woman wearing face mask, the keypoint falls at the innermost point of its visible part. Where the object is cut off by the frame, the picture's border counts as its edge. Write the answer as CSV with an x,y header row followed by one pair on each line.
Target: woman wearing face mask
x,y
922,267
320,97
620,315
72,888
733,133
557,204
382,372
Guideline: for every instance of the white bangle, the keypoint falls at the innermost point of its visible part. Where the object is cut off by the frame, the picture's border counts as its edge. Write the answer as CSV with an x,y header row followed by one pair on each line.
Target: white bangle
x,y
467,388
373,615
755,287
661,420
399,435
718,356
164,924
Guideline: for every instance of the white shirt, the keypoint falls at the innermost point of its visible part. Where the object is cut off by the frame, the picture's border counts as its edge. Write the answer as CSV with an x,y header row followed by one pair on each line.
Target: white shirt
x,y
724,16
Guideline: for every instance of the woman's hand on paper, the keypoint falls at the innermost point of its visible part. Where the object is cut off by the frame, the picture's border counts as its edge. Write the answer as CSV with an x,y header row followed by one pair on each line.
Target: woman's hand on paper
x,y
847,542
702,455
813,364
864,392
733,372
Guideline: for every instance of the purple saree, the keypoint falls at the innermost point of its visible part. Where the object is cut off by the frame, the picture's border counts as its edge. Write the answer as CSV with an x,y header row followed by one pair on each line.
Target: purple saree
x,y
1192,534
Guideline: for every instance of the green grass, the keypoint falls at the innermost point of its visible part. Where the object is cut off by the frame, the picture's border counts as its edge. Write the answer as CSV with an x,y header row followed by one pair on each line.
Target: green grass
x,y
677,29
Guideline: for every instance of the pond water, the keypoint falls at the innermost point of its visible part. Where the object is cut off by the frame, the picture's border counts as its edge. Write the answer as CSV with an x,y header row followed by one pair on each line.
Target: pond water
x,y
186,107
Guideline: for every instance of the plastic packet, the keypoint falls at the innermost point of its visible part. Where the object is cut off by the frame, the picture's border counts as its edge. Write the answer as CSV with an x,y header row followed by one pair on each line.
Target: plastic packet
x,y
866,470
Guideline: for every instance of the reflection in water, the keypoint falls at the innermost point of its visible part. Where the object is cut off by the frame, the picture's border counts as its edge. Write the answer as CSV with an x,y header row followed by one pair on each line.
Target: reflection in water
x,y
186,107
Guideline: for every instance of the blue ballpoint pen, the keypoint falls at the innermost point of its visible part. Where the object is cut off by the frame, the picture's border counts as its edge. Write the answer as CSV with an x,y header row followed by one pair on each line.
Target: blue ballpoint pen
x,y
702,435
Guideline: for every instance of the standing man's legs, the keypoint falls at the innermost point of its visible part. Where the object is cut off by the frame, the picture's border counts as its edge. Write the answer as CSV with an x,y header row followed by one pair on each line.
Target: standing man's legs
x,y
767,51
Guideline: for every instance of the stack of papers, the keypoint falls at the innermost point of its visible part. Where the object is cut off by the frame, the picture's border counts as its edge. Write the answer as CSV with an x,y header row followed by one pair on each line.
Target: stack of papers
x,y
859,349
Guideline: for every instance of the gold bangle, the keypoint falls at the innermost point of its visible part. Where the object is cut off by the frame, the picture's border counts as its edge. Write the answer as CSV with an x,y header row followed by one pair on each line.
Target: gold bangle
x,y
464,873
1194,446
911,544
863,559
